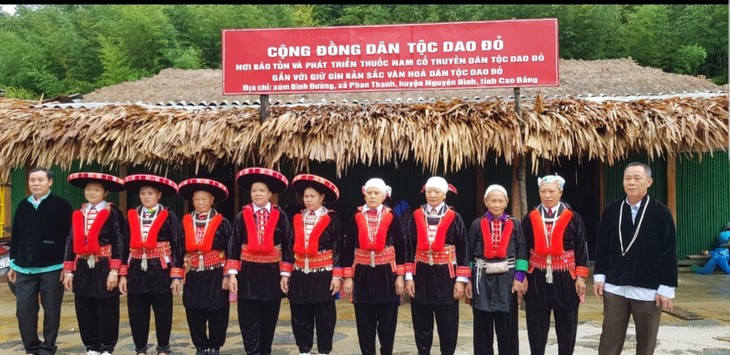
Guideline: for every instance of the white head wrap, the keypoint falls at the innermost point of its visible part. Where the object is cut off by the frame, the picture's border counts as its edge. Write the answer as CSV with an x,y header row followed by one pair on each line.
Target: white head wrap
x,y
439,183
496,187
378,184
556,179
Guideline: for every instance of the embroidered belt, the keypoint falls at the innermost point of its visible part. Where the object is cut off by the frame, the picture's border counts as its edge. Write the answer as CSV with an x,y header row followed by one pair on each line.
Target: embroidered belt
x,y
249,256
160,251
372,258
444,257
198,261
104,252
550,263
323,261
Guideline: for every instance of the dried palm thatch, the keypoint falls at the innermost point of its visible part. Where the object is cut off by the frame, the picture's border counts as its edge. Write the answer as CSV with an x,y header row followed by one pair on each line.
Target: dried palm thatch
x,y
611,77
440,136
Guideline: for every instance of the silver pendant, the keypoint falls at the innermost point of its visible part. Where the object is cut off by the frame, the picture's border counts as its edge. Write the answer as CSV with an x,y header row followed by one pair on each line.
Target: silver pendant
x,y
549,270
306,265
91,260
144,261
372,258
201,264
430,258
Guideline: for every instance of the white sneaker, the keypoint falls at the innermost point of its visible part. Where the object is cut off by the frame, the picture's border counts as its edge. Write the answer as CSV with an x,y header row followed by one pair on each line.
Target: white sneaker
x,y
106,353
92,352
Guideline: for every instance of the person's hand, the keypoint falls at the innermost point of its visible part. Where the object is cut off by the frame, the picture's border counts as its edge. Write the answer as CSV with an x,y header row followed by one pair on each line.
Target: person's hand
x,y
458,290
399,285
519,289
598,289
284,284
176,286
665,302
11,275
233,283
112,280
123,284
524,282
348,286
224,284
68,281
580,288
411,288
468,290
335,285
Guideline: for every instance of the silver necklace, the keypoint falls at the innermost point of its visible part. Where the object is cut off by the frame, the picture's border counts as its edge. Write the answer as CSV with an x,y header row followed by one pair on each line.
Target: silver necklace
x,y
636,232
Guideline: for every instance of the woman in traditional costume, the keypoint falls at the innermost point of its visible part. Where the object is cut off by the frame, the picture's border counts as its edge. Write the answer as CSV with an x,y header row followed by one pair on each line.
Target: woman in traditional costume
x,y
258,233
498,255
438,268
93,258
558,266
205,291
377,252
313,264
155,267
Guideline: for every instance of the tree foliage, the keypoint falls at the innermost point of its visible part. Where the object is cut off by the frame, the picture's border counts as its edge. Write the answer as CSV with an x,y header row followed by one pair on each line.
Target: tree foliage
x,y
62,49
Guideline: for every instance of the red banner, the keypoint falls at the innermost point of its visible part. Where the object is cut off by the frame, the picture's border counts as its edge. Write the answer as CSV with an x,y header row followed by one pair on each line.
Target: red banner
x,y
438,56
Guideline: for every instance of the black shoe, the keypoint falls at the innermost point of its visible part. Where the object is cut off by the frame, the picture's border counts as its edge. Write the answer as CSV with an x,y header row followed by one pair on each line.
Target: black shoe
x,y
201,351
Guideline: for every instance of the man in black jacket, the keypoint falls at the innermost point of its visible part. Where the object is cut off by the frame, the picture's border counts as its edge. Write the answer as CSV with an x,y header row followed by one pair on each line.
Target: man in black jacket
x,y
40,227
636,264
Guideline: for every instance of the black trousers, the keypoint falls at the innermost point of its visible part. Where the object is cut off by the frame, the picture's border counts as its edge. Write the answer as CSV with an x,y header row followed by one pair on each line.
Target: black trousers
x,y
257,320
505,325
538,326
27,289
447,322
304,318
139,319
376,317
98,322
208,327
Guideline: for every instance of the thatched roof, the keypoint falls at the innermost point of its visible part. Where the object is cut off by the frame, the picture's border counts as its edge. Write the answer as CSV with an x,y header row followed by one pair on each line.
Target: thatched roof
x,y
440,136
612,77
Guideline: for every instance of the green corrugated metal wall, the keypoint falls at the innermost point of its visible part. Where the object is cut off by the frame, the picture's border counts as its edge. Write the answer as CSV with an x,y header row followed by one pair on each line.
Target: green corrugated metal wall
x,y
614,176
60,186
703,202
703,196
75,195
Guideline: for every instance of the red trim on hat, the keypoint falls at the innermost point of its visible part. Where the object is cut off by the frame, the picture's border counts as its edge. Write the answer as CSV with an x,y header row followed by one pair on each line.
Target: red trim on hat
x,y
303,178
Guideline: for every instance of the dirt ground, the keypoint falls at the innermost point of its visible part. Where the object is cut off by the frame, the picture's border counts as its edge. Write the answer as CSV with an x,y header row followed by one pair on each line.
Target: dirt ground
x,y
704,297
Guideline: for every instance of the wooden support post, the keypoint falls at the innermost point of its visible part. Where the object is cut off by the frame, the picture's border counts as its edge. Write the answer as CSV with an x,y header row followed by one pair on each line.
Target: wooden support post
x,y
515,198
264,100
480,176
672,185
123,193
236,192
601,187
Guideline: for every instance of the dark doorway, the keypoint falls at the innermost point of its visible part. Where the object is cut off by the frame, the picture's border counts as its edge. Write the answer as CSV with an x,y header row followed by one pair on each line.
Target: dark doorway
x,y
582,193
